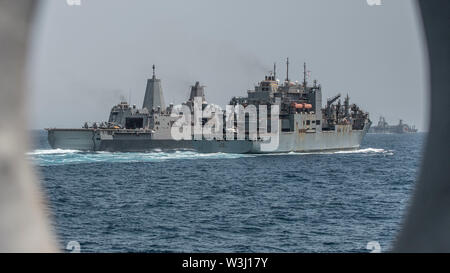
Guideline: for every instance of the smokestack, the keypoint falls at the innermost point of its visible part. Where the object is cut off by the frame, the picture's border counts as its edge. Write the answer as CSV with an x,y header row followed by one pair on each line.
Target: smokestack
x,y
153,94
197,91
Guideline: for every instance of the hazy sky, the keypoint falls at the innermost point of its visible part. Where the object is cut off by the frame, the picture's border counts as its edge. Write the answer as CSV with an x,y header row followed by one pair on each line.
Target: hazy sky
x,y
84,58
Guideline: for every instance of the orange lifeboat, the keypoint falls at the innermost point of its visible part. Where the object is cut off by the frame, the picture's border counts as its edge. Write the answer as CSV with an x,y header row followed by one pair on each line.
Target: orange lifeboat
x,y
302,105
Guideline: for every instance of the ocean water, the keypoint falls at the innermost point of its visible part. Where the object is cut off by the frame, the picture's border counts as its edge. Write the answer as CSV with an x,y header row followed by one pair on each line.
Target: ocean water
x,y
184,201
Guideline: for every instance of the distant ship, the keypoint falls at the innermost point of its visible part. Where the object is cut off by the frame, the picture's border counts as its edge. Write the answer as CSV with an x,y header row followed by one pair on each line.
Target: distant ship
x,y
384,128
303,124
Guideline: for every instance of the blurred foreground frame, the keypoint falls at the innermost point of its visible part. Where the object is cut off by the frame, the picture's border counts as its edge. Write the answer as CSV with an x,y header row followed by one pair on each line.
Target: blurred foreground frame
x,y
427,224
24,220
24,223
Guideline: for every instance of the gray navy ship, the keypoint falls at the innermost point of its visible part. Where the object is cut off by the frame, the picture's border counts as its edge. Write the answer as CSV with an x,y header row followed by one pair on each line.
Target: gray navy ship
x,y
384,128
304,124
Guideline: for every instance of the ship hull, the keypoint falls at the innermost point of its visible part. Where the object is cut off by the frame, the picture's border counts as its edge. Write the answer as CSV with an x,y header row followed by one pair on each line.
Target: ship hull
x,y
111,140
135,141
313,142
394,130
223,146
73,139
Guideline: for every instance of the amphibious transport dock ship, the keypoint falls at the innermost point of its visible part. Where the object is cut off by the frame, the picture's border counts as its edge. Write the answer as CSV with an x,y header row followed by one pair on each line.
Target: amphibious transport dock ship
x,y
303,124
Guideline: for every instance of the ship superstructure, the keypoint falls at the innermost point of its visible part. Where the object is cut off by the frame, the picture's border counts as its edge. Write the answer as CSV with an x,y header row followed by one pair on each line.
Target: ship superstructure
x,y
304,124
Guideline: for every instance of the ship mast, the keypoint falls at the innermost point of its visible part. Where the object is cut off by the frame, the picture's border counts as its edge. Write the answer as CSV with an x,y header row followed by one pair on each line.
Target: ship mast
x,y
274,71
304,74
287,69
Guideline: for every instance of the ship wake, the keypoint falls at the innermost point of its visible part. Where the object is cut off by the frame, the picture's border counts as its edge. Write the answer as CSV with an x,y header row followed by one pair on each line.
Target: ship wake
x,y
369,151
366,151
49,157
52,157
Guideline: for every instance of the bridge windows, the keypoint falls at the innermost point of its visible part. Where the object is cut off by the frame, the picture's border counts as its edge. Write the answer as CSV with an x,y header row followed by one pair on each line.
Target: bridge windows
x,y
134,123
